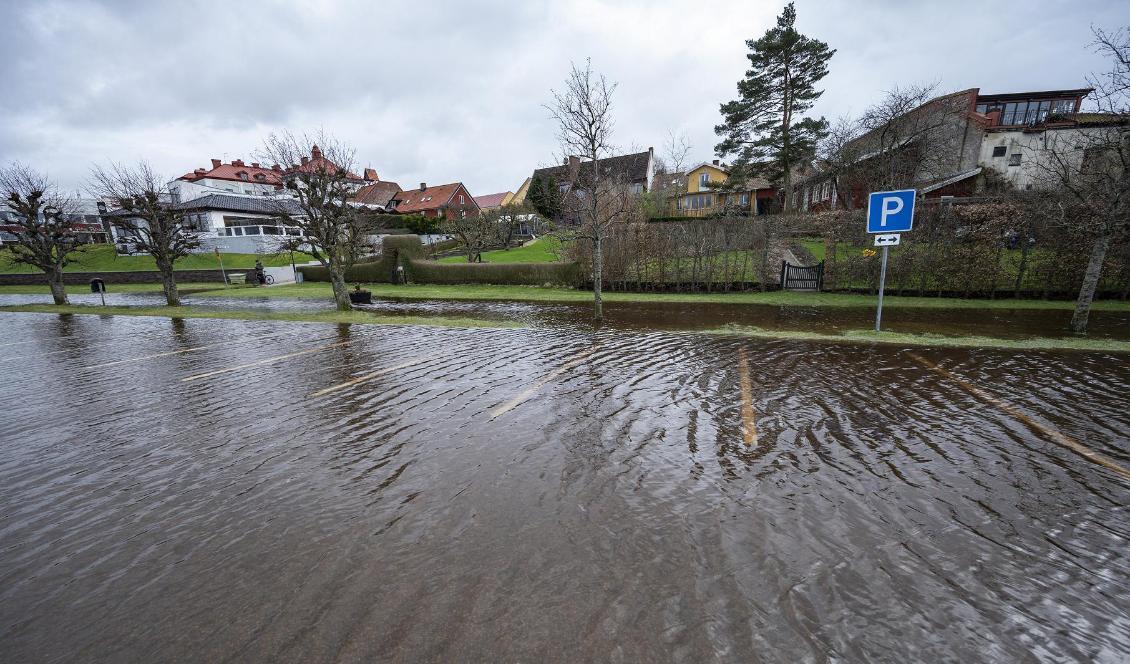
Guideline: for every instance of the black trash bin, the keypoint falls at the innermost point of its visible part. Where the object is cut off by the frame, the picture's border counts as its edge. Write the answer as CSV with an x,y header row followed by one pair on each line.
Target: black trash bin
x,y
97,286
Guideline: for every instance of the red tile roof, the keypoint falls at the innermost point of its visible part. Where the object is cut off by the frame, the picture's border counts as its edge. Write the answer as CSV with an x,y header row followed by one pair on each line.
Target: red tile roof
x,y
232,171
491,200
431,198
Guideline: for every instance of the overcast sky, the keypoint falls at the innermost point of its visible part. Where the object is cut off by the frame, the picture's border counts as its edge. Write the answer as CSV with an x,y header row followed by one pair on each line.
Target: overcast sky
x,y
453,91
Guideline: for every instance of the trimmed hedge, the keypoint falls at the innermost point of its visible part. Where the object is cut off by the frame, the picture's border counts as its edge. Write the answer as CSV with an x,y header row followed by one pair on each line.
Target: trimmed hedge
x,y
407,250
511,274
397,249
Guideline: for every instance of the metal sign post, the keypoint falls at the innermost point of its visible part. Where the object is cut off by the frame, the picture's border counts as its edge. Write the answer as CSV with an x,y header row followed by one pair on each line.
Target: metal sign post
x,y
888,214
223,275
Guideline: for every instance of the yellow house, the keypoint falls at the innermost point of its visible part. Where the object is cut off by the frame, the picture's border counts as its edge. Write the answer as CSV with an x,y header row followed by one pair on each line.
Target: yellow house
x,y
701,197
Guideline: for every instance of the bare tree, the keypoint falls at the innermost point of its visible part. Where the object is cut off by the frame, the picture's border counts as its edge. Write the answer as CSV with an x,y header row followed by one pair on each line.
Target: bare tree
x,y
146,213
480,232
599,197
1089,165
46,239
316,174
670,172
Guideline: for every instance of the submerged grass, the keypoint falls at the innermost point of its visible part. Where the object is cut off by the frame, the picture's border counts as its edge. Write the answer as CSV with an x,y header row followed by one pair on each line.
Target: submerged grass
x,y
906,339
80,289
356,317
561,294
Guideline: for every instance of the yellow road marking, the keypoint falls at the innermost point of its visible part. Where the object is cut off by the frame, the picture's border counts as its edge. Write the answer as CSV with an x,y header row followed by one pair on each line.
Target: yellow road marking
x,y
264,361
532,389
749,420
362,379
1054,435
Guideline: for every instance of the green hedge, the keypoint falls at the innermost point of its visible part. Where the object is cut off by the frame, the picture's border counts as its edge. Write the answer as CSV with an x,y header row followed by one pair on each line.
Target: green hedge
x,y
397,248
408,251
516,274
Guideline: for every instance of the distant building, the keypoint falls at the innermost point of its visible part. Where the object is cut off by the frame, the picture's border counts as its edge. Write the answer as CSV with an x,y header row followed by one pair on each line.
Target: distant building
x,y
706,190
944,146
376,195
637,171
494,201
446,200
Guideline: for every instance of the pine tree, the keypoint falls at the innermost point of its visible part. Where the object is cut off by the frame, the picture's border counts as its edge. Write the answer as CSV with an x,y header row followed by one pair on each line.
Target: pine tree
x,y
765,129
545,197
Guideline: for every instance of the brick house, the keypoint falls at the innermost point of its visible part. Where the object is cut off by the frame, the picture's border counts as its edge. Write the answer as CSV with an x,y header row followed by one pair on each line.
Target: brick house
x,y
451,201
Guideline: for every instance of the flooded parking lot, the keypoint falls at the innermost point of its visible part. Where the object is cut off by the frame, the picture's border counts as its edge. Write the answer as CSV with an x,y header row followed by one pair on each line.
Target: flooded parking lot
x,y
217,490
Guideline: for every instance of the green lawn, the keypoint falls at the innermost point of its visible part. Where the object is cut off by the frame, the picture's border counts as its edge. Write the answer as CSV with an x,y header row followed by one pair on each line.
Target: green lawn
x,y
562,294
103,258
355,317
907,339
541,250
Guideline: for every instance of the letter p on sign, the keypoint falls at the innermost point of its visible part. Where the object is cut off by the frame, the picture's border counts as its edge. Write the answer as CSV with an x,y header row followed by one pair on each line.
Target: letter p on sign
x,y
890,211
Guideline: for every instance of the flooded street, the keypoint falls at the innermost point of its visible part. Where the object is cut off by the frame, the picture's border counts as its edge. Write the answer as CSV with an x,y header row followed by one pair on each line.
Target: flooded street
x,y
214,490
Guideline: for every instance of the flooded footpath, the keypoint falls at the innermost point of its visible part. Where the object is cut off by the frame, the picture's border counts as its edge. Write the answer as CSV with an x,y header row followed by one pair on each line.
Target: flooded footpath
x,y
215,490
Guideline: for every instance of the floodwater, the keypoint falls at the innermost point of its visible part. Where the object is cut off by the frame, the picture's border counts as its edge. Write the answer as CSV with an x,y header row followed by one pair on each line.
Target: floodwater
x,y
211,490
671,316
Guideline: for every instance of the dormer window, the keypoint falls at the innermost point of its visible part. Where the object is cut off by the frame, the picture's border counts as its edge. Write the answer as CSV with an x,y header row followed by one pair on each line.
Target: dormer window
x,y
260,176
242,175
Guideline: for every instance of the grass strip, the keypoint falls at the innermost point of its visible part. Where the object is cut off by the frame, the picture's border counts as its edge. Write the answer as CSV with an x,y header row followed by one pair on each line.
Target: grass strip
x,y
560,294
906,339
82,289
355,317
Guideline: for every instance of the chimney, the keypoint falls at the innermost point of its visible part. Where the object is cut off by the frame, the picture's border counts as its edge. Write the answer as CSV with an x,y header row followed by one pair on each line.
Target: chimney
x,y
276,168
200,171
215,163
371,175
316,152
715,162
305,160
237,162
994,117
574,167
255,164
423,186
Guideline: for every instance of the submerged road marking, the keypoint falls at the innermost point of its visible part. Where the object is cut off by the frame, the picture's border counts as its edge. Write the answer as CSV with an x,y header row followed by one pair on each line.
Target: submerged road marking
x,y
365,377
267,360
532,389
749,419
1054,435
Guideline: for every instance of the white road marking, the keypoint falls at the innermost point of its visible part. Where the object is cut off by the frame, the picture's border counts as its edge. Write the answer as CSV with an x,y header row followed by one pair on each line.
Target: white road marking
x,y
532,389
1054,435
267,360
365,377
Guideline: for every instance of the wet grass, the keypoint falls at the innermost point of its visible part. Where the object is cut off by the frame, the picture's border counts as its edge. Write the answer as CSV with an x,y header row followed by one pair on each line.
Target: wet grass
x,y
560,294
184,289
935,340
104,258
542,250
355,317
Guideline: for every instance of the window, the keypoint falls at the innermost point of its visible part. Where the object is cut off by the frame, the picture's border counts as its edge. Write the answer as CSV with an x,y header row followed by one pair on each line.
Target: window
x,y
461,201
1063,106
260,176
462,213
242,175
999,151
745,199
704,180
1014,159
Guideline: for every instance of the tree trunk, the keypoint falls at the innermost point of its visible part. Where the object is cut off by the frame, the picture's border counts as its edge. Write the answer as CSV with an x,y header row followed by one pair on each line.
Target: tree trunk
x,y
1021,269
58,292
169,285
597,278
1090,283
340,290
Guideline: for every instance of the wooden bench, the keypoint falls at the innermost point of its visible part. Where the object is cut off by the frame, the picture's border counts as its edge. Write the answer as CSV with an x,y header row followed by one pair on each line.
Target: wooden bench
x,y
237,278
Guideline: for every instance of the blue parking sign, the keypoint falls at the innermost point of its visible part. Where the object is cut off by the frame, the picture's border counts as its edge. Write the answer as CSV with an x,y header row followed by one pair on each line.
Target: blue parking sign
x,y
890,211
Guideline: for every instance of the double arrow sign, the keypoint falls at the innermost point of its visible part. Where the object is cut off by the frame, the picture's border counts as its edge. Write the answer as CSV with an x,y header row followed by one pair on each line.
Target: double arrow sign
x,y
887,240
